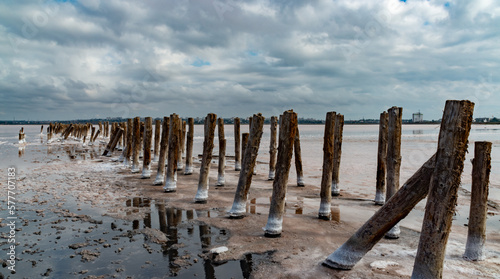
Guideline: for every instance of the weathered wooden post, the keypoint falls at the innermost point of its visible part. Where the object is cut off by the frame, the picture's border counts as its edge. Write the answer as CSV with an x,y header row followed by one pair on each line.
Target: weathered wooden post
x,y
298,159
124,137
222,153
208,146
156,151
381,159
173,153
395,116
481,166
440,207
96,135
244,142
127,152
183,138
113,141
100,129
248,164
273,147
22,136
328,161
136,144
288,129
337,153
160,173
92,133
146,161
182,128
41,130
394,210
189,148
237,166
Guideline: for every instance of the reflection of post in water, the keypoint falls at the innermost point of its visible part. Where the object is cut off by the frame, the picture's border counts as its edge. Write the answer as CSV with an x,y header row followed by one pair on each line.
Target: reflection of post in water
x,y
190,216
135,224
162,217
246,266
205,234
21,151
147,220
209,269
172,251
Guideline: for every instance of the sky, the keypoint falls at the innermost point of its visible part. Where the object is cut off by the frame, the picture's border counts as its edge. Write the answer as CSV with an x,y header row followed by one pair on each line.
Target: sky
x,y
62,60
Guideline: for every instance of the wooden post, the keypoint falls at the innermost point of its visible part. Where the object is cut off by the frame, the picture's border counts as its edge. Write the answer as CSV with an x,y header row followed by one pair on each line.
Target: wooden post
x,y
96,135
237,166
92,133
157,140
41,130
298,159
182,129
244,142
481,167
208,146
440,207
288,129
397,208
395,116
124,137
127,153
328,162
146,162
100,128
160,174
136,144
183,138
113,141
173,154
381,159
273,147
248,164
337,153
189,148
222,153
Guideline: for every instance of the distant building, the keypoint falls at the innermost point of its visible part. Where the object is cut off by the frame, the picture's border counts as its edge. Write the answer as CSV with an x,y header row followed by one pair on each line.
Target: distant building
x,y
418,117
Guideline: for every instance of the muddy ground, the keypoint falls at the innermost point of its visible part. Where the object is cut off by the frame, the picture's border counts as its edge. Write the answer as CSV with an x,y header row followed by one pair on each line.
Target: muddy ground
x,y
104,189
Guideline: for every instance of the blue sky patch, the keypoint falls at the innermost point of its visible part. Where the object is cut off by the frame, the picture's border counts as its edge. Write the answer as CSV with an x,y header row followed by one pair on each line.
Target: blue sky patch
x,y
200,63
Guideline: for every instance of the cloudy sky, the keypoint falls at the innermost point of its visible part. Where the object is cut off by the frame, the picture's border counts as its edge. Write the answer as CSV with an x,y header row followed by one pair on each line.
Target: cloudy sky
x,y
85,59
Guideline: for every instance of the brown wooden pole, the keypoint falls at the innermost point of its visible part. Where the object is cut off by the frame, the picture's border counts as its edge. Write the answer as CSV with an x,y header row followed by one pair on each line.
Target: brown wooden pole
x,y
173,154
100,128
92,133
337,153
146,162
156,151
124,137
248,164
298,159
244,142
237,165
189,148
381,159
182,128
136,144
481,167
440,207
273,147
96,135
160,173
328,161
208,146
113,141
183,138
394,210
395,115
288,129
127,152
222,153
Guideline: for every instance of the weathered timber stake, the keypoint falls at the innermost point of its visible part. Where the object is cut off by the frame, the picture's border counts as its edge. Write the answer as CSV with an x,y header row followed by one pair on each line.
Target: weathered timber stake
x,y
41,130
100,129
288,129
481,166
113,141
337,153
381,159
395,116
160,174
182,128
440,207
183,138
237,165
248,164
244,142
208,146
96,135
127,152
157,140
136,144
146,162
124,137
173,154
92,133
397,208
222,163
222,153
328,161
298,159
189,148
273,147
